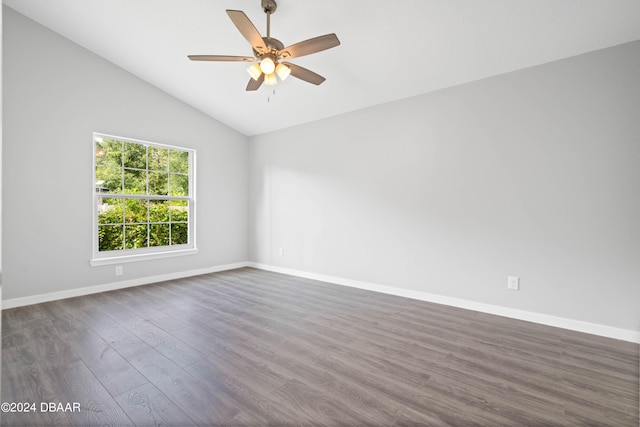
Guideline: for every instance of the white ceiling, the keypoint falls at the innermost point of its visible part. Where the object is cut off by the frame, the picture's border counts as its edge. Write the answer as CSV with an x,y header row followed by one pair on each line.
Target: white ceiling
x,y
390,49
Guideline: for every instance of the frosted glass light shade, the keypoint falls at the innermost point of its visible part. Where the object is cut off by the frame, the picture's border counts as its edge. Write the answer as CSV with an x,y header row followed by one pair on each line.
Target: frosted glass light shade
x,y
283,71
270,79
267,65
255,71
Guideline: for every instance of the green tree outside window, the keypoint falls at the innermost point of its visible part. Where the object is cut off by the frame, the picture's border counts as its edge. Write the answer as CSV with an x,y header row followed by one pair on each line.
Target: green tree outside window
x,y
142,193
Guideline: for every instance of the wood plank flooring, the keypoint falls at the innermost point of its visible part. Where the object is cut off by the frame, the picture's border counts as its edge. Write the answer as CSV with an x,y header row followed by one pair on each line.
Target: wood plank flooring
x,y
249,347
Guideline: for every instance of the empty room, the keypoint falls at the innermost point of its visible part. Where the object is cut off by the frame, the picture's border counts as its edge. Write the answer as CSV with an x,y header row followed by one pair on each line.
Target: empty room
x,y
330,213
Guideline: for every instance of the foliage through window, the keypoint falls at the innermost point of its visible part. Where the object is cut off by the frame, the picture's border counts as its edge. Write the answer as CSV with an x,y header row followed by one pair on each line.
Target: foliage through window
x,y
143,195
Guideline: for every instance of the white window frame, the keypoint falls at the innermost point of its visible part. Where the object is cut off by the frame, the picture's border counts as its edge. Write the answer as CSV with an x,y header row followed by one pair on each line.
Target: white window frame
x,y
139,254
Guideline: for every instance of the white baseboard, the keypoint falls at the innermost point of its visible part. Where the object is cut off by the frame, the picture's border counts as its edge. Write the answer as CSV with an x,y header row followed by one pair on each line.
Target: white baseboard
x,y
37,299
544,319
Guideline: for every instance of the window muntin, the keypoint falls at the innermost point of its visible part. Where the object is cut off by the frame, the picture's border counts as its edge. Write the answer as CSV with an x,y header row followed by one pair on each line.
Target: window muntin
x,y
143,197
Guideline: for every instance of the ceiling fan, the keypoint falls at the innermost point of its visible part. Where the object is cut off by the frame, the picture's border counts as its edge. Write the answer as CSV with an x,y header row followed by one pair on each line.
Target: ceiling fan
x,y
270,54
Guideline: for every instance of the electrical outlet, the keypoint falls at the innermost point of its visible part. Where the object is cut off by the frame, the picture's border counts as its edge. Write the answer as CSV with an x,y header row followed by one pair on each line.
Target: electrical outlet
x,y
513,283
281,251
119,270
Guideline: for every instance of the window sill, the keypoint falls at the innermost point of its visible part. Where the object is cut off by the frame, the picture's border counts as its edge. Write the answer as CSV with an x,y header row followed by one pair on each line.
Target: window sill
x,y
95,262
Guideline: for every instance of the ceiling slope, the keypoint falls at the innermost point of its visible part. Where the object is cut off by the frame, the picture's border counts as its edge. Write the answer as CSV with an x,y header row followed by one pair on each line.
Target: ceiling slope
x,y
388,51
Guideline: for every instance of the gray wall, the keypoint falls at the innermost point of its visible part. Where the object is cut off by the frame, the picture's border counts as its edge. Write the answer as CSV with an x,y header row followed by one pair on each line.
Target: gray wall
x,y
55,95
534,173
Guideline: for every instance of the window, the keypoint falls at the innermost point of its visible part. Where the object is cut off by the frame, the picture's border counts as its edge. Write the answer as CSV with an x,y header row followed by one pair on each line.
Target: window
x,y
143,200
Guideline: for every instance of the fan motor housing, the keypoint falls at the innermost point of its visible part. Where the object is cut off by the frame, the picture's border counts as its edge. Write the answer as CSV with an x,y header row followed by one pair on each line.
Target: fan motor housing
x,y
272,44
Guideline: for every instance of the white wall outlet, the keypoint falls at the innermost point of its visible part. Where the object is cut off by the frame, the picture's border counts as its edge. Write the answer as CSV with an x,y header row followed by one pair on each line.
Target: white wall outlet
x,y
119,270
281,251
513,283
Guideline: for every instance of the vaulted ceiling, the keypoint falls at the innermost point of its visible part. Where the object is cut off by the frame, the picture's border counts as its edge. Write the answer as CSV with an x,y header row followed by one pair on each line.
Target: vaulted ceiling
x,y
389,49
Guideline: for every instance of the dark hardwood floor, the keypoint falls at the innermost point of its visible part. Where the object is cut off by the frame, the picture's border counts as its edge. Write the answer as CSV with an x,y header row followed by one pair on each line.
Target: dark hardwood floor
x,y
248,347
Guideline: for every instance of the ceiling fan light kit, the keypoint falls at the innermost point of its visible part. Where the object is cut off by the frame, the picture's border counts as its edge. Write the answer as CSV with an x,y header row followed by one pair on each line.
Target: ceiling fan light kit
x,y
283,71
268,65
255,71
270,79
270,53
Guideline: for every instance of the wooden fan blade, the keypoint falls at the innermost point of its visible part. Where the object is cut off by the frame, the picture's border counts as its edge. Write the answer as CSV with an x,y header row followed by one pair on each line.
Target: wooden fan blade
x,y
255,84
310,46
248,30
221,58
304,74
